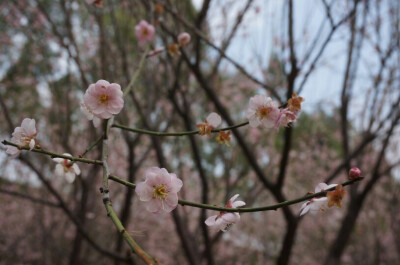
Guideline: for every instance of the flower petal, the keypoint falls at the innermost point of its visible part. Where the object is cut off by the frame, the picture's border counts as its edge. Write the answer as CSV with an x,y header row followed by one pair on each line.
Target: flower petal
x,y
144,191
154,205
59,170
210,221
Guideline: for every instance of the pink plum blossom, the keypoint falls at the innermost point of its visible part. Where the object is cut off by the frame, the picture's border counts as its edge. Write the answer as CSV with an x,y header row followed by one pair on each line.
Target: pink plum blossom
x,y
144,31
159,190
103,100
23,136
183,39
318,203
66,169
262,111
224,220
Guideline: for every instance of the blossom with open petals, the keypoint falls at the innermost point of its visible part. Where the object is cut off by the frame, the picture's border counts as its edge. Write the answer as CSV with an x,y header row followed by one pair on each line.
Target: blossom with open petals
x,y
144,31
317,203
212,121
103,100
262,111
224,220
159,190
23,136
65,168
335,197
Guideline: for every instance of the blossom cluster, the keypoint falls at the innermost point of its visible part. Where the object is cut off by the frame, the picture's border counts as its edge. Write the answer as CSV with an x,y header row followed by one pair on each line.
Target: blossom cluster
x,y
264,111
23,136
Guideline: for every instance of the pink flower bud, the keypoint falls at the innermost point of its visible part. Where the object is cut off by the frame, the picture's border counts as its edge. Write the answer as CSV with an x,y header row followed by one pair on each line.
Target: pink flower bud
x,y
354,173
183,39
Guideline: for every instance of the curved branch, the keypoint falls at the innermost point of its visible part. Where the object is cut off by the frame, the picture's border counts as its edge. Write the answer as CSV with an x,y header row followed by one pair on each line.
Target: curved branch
x,y
243,210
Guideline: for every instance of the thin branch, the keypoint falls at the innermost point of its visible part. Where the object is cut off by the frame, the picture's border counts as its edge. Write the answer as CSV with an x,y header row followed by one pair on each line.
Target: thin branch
x,y
30,198
53,155
110,211
324,45
243,210
157,133
90,147
219,50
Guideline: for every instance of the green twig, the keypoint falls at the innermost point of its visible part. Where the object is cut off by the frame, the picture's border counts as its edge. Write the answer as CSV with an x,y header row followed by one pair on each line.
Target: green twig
x,y
137,73
243,210
53,155
156,133
110,211
90,147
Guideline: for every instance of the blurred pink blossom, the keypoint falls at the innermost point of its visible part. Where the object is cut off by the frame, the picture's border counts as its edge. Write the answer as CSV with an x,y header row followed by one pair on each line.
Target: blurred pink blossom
x,y
212,121
144,31
262,111
103,99
159,190
23,136
354,173
64,168
224,220
183,39
285,118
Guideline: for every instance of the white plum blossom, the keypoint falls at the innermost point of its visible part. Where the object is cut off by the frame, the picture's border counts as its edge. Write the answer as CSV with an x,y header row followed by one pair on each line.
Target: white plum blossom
x,y
23,136
159,190
224,220
66,169
318,203
262,111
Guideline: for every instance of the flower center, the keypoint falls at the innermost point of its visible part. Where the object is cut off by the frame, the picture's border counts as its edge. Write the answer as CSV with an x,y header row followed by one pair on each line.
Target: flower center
x,y
103,99
160,192
67,164
145,32
263,112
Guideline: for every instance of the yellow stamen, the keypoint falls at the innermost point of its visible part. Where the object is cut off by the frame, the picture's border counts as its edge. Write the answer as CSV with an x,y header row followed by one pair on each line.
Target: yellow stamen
x,y
103,99
160,192
263,112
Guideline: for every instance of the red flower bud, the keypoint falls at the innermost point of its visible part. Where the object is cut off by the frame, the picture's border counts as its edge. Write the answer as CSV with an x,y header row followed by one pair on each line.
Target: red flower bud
x,y
354,173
